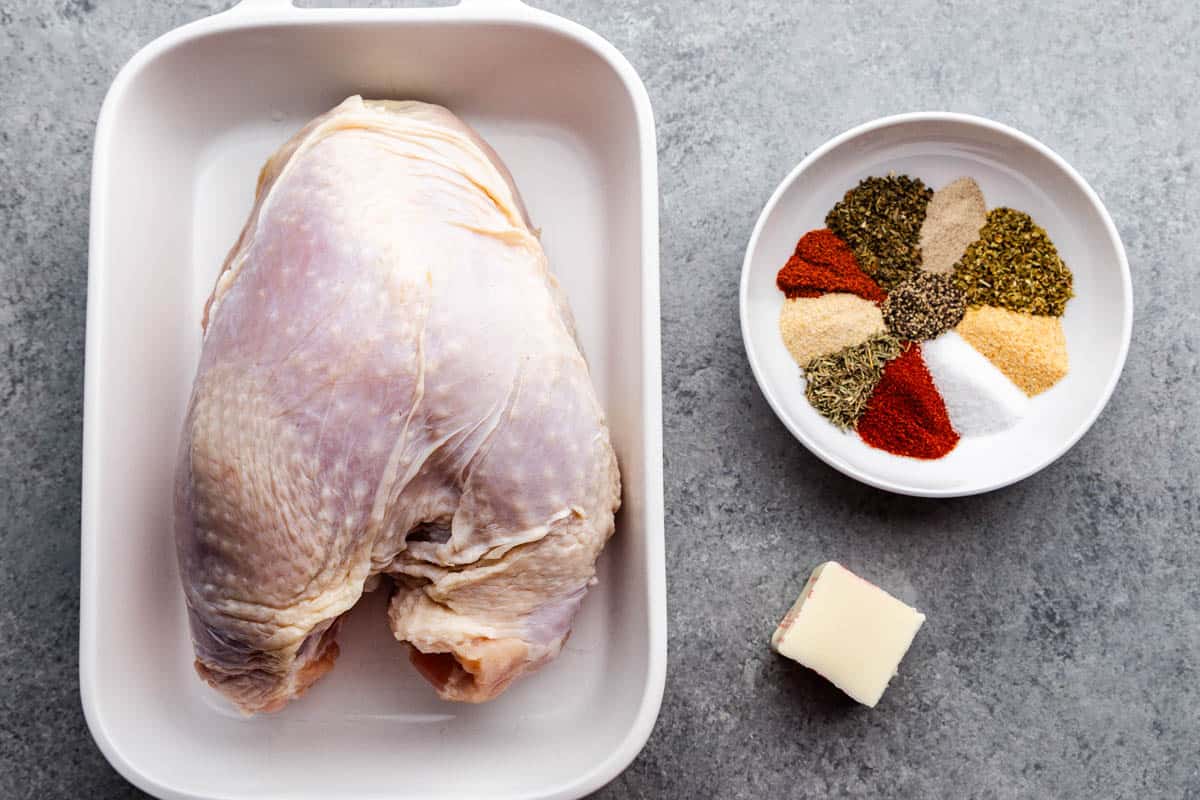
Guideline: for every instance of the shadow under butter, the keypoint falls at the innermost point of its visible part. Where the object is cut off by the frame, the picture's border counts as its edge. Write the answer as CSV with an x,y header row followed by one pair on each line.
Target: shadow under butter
x,y
806,687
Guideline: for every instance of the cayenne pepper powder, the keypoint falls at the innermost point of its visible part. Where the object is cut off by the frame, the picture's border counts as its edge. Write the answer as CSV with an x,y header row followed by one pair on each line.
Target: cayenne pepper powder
x,y
822,263
906,414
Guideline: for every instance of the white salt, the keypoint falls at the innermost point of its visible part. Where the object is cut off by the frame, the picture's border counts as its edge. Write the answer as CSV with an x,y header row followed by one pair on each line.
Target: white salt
x,y
980,399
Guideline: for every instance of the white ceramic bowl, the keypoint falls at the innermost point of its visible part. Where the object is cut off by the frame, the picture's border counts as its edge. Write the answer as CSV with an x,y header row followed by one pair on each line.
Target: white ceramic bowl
x,y
1013,170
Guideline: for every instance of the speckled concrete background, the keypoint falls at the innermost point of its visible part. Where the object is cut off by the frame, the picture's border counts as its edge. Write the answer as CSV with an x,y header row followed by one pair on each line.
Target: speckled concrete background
x,y
1062,657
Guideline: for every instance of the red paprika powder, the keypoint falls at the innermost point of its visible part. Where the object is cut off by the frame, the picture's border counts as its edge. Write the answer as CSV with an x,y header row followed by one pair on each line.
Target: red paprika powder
x,y
822,263
906,415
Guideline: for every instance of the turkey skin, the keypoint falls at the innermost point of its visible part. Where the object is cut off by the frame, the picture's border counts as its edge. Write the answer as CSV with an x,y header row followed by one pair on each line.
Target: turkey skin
x,y
389,391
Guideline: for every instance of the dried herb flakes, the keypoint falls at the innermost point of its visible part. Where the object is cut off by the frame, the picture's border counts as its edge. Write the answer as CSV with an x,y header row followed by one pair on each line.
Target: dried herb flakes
x,y
881,220
839,385
1014,265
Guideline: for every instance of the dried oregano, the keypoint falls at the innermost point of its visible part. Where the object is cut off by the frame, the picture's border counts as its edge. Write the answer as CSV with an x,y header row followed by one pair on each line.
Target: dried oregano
x,y
1014,265
839,385
924,306
881,220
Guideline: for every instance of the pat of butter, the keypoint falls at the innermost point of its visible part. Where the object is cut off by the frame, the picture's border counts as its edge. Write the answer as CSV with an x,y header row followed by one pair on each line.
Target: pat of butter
x,y
849,631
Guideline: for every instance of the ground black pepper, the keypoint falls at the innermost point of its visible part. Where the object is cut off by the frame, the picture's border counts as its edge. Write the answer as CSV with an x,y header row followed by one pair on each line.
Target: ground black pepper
x,y
924,306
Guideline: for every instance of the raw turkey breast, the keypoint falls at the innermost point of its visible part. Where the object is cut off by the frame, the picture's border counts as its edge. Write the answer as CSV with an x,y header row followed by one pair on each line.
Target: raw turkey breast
x,y
389,385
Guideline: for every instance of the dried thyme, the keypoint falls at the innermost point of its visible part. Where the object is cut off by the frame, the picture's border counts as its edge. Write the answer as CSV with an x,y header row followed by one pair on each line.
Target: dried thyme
x,y
924,306
839,385
881,220
1014,265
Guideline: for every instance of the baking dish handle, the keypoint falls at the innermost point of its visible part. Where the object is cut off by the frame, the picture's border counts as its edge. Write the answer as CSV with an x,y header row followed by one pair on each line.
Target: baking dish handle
x,y
258,7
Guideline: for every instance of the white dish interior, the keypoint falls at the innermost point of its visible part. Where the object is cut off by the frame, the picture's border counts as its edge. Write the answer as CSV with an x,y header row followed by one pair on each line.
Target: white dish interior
x,y
185,130
1012,170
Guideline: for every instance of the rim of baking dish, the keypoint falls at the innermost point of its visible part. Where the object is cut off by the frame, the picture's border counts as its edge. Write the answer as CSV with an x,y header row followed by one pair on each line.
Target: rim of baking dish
x,y
1005,130
253,13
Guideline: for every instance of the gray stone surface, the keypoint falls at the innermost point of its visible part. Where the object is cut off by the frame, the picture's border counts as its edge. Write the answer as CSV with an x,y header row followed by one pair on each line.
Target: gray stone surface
x,y
1062,656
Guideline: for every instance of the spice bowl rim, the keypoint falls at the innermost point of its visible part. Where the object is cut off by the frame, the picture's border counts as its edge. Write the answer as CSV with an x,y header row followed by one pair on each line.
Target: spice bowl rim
x,y
996,128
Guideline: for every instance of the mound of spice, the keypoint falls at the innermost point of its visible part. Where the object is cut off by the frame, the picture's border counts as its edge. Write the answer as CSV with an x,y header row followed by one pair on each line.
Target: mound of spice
x,y
979,398
839,385
1030,349
881,220
906,415
952,221
900,265
1014,265
924,306
824,263
819,326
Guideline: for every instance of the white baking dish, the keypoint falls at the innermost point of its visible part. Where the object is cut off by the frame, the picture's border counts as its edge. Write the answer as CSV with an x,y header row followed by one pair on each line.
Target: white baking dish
x,y
181,136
